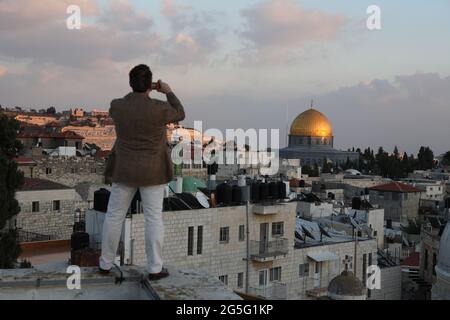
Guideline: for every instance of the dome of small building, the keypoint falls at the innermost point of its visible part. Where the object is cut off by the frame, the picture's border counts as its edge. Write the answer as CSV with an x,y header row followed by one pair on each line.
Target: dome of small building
x,y
346,286
441,289
311,123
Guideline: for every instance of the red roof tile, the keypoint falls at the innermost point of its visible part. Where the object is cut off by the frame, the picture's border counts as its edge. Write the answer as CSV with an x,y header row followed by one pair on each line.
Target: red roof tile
x,y
395,187
412,261
32,184
52,135
24,160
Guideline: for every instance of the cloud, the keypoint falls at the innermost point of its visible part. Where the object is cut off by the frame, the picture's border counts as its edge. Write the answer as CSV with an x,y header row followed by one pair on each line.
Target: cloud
x,y
25,14
116,37
408,111
276,28
192,39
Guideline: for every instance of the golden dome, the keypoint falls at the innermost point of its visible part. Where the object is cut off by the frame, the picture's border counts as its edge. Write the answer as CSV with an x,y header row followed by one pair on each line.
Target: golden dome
x,y
312,123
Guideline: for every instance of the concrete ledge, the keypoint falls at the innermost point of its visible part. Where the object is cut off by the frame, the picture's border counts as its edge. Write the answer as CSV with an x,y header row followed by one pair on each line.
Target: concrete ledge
x,y
261,209
50,283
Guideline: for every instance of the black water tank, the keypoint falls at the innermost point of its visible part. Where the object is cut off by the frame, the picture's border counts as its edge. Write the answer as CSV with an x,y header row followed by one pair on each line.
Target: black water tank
x,y
237,195
254,191
264,191
101,199
281,190
79,241
447,203
224,194
302,183
356,203
273,190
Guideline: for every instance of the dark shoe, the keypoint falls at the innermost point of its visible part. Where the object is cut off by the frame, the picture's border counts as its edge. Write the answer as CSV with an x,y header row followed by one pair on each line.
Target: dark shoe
x,y
103,271
158,276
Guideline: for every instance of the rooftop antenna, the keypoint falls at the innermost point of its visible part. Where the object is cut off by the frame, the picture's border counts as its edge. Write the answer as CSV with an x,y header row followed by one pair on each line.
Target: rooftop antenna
x,y
312,104
287,125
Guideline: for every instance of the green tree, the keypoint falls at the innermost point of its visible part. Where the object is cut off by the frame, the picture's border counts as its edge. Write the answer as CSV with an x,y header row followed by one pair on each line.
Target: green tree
x,y
446,159
10,180
425,158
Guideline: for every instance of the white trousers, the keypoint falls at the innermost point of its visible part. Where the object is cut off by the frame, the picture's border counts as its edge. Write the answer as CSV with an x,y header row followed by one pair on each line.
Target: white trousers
x,y
119,203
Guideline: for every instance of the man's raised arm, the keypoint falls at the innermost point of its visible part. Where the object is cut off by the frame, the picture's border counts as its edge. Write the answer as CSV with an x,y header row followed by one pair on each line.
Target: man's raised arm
x,y
175,111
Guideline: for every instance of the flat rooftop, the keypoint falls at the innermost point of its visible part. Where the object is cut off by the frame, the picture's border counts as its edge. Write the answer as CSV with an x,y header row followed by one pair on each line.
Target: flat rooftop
x,y
50,283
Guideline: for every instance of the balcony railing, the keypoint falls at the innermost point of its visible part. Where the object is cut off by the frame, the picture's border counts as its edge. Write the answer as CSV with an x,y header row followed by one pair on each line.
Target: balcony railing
x,y
276,291
263,251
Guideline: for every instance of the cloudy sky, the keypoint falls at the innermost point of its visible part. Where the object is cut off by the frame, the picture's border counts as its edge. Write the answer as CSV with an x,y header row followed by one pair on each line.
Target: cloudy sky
x,y
243,63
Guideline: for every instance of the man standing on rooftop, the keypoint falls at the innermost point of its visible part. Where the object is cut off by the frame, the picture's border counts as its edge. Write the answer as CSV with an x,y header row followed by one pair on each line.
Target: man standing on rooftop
x,y
140,161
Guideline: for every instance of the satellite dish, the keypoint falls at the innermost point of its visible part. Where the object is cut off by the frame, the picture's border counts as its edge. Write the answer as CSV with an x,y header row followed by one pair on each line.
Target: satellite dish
x,y
202,199
323,231
354,223
308,233
299,236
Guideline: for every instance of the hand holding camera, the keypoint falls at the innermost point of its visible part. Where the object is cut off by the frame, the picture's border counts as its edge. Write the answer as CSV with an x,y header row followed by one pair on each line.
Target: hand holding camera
x,y
161,87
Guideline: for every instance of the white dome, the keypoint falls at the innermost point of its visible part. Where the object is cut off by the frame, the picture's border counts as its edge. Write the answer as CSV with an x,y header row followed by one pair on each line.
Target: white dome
x,y
444,251
441,289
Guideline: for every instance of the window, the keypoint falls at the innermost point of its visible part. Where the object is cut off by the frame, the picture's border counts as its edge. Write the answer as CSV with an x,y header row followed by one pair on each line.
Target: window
x,y
426,260
277,229
434,264
224,279
275,274
190,241
375,233
73,170
395,196
224,234
56,205
364,268
93,170
48,170
263,278
240,280
406,196
199,240
241,233
35,206
303,270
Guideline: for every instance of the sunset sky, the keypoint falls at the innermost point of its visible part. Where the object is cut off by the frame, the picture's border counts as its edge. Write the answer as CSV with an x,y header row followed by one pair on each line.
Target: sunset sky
x,y
243,63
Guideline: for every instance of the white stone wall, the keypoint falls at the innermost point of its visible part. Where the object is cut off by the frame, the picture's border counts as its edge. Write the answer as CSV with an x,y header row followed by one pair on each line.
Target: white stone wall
x,y
391,285
57,224
229,258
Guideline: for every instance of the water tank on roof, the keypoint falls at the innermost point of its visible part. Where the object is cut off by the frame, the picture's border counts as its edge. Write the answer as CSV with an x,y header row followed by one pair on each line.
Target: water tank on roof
x,y
273,190
224,194
264,191
281,190
254,191
236,194
356,203
302,184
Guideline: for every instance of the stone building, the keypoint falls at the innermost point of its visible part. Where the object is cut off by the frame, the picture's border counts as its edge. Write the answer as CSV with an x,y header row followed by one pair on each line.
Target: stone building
x,y
50,140
400,202
311,140
46,209
215,240
71,171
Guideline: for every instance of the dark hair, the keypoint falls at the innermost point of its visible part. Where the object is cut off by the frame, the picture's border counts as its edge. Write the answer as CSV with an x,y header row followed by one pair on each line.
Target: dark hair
x,y
141,78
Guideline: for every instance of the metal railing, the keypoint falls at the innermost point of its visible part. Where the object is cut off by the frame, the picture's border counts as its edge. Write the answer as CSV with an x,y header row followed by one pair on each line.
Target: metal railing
x,y
265,249
275,291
